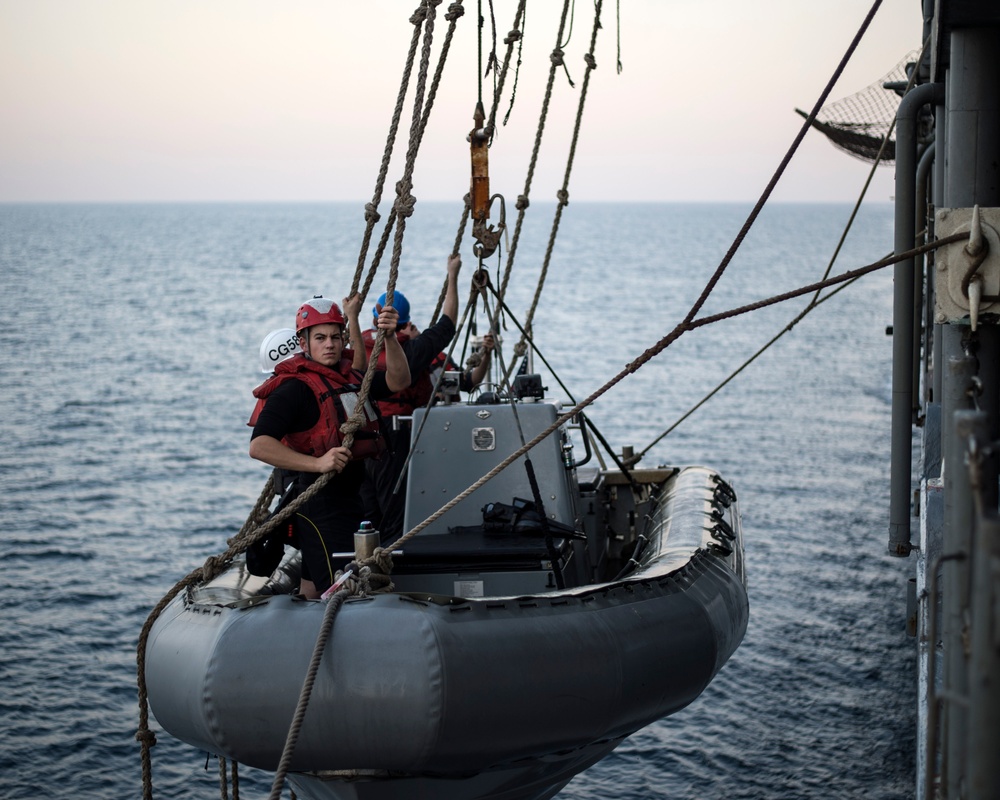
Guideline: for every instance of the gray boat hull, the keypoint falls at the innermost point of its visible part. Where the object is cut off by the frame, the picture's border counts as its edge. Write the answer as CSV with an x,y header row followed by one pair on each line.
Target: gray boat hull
x,y
491,696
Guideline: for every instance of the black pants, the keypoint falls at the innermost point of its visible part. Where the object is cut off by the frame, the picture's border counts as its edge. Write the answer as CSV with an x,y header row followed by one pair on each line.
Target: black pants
x,y
326,525
381,507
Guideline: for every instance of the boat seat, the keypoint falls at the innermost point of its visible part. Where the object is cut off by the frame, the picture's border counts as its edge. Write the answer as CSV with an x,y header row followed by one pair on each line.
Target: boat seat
x,y
475,548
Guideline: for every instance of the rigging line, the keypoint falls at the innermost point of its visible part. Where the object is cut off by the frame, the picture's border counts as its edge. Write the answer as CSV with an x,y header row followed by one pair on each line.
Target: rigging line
x,y
618,23
875,164
463,223
813,304
492,62
759,205
479,39
815,300
590,428
371,209
326,626
517,69
514,36
470,305
563,193
522,201
402,208
455,12
679,330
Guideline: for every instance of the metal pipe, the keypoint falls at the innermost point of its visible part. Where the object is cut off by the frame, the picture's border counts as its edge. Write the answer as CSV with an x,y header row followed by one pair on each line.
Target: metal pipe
x,y
921,326
902,316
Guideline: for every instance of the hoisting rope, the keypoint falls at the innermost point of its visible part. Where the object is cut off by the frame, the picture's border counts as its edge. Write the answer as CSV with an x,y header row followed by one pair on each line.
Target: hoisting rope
x,y
563,194
402,209
815,301
329,614
522,200
681,328
515,35
455,12
469,307
255,529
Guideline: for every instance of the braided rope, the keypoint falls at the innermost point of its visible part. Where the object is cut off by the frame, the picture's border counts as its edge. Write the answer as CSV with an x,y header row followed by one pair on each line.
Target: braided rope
x,y
326,626
563,193
522,200
462,224
455,12
815,300
680,329
759,205
371,209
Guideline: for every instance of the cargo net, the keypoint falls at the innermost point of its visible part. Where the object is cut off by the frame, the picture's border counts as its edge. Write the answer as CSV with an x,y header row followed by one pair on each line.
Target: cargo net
x,y
858,124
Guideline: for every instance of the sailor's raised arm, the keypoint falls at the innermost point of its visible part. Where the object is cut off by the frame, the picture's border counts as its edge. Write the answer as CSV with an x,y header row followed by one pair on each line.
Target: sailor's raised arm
x,y
397,370
450,306
352,309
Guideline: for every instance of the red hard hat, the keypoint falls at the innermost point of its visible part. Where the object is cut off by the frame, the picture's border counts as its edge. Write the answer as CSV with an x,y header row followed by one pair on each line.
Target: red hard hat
x,y
317,311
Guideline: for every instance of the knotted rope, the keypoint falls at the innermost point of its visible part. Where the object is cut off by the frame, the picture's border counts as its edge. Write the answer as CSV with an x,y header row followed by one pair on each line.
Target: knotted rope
x,y
563,194
522,200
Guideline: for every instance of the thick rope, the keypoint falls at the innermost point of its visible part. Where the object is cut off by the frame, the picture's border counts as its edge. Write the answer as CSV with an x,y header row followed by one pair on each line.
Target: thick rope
x,y
371,209
454,13
522,200
815,301
462,225
326,626
633,366
759,205
563,193
402,208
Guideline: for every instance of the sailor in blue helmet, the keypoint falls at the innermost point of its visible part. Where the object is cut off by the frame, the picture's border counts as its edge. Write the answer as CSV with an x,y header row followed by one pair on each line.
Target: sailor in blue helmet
x,y
296,427
383,506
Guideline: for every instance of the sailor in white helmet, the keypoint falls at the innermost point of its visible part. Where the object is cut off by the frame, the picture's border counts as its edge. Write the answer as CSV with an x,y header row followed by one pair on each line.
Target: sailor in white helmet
x,y
277,346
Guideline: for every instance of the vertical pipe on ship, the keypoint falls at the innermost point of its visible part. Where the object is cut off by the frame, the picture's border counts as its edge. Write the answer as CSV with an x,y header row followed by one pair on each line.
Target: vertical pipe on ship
x,y
902,314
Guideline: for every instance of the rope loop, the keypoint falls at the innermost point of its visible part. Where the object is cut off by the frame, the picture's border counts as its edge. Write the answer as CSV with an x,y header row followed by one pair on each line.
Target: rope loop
x,y
455,11
590,61
513,36
419,15
563,197
522,202
557,57
371,213
520,349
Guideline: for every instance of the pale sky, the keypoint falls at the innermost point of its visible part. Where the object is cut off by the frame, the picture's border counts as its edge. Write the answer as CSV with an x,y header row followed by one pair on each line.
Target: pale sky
x,y
290,100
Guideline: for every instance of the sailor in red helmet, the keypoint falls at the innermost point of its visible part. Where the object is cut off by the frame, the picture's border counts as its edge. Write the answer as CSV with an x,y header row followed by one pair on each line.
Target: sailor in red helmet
x,y
296,426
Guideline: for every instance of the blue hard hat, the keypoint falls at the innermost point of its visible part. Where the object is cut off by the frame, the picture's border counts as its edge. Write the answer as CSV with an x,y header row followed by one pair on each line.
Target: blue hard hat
x,y
399,302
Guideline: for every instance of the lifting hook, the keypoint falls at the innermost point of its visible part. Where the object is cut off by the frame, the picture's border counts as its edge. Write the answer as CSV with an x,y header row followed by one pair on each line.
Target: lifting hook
x,y
487,237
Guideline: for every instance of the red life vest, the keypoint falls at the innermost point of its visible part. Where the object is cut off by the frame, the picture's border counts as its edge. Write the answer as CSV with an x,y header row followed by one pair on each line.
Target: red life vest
x,y
416,395
336,392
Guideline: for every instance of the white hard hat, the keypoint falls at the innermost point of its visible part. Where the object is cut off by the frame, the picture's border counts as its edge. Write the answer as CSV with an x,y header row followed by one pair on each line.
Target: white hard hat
x,y
276,347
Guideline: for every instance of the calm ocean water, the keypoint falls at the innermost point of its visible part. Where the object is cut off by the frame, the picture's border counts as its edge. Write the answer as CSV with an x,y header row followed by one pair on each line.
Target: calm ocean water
x,y
128,354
